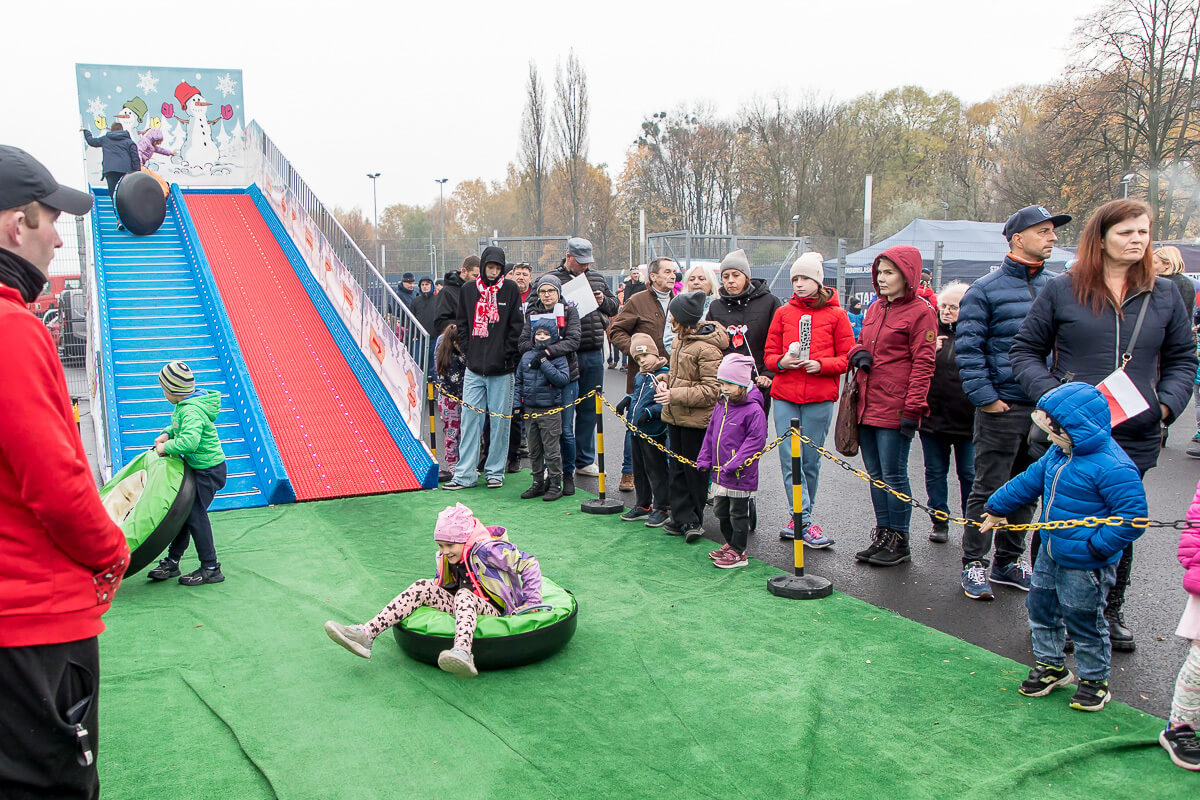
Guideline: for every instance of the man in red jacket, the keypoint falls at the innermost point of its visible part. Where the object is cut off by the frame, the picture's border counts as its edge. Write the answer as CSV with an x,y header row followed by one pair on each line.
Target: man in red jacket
x,y
62,555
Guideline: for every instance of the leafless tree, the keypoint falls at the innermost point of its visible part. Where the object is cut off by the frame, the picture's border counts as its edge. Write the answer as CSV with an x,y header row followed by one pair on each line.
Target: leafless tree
x,y
571,128
532,159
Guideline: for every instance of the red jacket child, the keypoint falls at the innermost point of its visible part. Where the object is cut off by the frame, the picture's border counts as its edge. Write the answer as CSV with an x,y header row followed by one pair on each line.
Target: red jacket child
x,y
61,556
831,341
900,336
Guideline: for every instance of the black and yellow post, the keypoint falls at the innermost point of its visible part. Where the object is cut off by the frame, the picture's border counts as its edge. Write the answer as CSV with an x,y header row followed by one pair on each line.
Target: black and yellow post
x,y
798,586
429,394
601,504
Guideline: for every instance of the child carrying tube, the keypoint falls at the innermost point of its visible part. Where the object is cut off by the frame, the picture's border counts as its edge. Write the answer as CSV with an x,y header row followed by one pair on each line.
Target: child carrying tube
x,y
477,573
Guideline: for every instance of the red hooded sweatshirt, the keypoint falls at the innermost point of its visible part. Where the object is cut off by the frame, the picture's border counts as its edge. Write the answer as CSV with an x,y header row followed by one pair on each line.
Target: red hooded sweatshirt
x,y
900,337
61,556
830,344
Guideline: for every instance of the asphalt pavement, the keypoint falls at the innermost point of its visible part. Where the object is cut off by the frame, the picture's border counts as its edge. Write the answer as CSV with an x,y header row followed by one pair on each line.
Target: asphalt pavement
x,y
928,590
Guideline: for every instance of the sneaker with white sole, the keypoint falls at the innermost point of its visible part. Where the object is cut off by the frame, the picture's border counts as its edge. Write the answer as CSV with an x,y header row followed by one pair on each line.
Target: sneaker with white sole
x,y
788,532
635,513
720,551
815,538
657,519
1016,575
1044,679
458,662
1091,695
352,637
495,483
731,560
975,583
1182,745
692,534
591,470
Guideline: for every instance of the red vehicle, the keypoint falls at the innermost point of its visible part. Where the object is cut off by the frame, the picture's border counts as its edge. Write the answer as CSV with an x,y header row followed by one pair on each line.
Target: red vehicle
x,y
48,299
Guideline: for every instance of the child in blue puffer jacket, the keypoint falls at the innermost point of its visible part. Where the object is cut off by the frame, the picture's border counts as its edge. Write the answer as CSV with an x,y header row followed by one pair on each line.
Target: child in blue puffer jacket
x,y
649,462
1085,473
539,387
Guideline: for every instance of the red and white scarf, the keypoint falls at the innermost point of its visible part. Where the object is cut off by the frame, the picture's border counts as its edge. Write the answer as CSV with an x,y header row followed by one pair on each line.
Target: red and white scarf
x,y
486,310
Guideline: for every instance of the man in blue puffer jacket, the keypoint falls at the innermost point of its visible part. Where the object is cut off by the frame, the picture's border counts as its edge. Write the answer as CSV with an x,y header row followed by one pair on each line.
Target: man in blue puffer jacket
x,y
1085,473
990,316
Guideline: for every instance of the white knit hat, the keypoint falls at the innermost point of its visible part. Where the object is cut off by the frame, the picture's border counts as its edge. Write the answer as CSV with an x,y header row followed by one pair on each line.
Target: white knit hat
x,y
810,266
176,378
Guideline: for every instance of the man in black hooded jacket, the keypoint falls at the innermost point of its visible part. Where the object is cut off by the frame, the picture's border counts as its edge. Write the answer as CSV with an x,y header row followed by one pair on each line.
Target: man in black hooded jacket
x,y
489,319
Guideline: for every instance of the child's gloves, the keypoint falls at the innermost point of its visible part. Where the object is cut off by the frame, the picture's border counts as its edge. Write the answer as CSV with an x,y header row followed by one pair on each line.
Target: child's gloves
x,y
623,406
537,361
643,417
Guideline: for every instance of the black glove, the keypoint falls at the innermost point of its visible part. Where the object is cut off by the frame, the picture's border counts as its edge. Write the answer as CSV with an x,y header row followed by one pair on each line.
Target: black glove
x,y
623,406
536,361
546,354
643,417
908,427
862,360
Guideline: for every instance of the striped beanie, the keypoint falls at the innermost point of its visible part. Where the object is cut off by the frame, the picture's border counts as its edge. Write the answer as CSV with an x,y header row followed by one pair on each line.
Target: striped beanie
x,y
176,378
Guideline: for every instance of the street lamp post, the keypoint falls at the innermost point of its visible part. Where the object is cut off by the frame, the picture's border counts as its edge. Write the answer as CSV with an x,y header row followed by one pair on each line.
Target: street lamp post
x,y
945,209
796,226
441,182
375,204
1125,185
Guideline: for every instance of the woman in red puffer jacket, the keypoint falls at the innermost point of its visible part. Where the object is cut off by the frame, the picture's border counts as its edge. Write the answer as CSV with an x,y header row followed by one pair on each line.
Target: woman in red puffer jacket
x,y
895,361
805,386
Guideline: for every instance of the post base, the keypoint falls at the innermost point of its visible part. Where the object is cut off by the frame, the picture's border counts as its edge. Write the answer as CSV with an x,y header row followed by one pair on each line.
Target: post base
x,y
606,506
800,587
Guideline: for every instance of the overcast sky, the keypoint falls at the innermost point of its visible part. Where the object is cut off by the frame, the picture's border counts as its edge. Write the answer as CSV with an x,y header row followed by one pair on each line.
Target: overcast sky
x,y
419,91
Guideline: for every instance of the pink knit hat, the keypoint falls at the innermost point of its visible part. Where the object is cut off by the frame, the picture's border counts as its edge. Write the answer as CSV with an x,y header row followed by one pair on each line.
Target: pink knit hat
x,y
454,524
736,368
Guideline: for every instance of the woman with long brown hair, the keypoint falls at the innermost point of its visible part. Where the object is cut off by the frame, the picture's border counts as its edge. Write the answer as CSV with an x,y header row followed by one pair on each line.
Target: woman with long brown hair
x,y
1111,313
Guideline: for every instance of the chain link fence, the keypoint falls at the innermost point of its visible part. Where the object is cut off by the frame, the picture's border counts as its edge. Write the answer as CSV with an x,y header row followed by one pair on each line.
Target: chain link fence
x,y
770,256
63,305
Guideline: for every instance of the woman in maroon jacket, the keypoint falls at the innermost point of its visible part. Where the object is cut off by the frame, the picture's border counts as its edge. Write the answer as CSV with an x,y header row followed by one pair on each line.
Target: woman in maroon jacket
x,y
895,359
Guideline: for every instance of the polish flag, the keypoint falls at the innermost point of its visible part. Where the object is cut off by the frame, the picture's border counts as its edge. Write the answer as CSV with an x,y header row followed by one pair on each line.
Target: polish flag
x,y
1124,399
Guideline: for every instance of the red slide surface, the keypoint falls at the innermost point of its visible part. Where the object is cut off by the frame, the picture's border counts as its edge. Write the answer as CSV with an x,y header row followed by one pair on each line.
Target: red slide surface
x,y
332,441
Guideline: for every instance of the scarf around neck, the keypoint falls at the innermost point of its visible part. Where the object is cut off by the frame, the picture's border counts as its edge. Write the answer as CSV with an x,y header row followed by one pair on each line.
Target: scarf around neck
x,y
486,310
20,274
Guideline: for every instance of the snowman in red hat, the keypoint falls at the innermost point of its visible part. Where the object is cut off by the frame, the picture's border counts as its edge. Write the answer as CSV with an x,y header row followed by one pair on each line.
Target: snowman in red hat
x,y
199,152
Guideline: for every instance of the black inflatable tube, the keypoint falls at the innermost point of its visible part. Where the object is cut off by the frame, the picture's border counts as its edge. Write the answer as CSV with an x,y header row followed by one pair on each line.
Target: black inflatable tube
x,y
494,652
168,528
139,203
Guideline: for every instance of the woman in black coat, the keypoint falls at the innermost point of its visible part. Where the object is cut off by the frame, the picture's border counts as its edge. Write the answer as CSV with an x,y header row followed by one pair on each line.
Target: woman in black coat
x,y
746,306
1083,322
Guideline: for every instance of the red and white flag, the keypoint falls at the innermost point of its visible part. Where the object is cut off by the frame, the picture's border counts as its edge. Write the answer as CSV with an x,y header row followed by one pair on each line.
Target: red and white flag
x,y
1124,399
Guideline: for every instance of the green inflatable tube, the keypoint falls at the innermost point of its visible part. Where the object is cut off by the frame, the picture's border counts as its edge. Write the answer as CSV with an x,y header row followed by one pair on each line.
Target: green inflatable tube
x,y
500,642
150,498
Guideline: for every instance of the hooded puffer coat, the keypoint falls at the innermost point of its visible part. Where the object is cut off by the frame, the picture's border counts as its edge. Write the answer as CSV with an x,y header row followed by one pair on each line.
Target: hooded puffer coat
x,y
831,340
1096,479
692,380
1189,548
900,336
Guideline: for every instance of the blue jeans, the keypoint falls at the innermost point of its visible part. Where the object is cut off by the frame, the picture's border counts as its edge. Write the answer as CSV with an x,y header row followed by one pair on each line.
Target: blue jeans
x,y
814,422
567,439
1064,600
627,462
937,467
591,375
495,393
885,455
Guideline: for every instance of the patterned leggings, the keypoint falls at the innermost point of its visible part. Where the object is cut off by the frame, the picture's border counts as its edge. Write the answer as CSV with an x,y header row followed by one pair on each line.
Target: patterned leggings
x,y
464,604
1185,705
451,422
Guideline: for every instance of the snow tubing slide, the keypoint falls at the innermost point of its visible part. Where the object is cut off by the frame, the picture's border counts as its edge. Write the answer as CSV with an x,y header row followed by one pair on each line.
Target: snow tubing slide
x,y
150,498
500,642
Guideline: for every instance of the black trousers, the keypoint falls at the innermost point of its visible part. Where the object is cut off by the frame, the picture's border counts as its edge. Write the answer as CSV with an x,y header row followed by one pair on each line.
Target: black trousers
x,y
650,474
112,178
49,721
1001,452
688,487
734,515
198,528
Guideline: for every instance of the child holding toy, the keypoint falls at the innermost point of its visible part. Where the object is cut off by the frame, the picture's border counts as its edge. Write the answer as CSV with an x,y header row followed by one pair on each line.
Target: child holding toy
x,y
478,572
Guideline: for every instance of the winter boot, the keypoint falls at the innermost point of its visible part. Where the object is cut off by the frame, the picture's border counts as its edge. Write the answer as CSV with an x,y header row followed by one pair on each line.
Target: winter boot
x,y
1120,635
553,490
877,543
537,490
568,485
895,550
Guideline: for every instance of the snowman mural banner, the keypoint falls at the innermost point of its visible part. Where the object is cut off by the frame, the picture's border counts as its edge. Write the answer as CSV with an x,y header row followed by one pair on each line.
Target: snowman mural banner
x,y
199,112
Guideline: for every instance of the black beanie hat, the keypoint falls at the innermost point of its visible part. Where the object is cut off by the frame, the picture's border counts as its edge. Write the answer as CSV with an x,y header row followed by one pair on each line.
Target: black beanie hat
x,y
688,308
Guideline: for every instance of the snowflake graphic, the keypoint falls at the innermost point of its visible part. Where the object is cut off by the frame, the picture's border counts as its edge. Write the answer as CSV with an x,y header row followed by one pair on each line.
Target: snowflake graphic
x,y
226,85
147,82
96,106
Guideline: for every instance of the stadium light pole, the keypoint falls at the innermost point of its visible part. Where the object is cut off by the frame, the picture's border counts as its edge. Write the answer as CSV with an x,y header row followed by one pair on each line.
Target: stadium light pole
x,y
375,204
441,182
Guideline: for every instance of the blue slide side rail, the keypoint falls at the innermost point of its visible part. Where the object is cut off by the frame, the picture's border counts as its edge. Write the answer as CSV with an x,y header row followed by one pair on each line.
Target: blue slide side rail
x,y
106,366
268,464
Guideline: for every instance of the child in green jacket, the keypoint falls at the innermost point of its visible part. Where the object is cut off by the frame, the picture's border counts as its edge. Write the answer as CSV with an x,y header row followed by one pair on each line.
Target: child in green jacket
x,y
192,435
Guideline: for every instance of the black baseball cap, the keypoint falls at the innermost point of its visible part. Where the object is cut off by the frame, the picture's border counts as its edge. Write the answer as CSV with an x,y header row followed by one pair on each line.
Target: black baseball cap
x,y
24,179
1031,215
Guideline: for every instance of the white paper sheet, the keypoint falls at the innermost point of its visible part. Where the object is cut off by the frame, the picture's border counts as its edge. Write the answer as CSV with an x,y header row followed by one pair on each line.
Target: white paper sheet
x,y
579,291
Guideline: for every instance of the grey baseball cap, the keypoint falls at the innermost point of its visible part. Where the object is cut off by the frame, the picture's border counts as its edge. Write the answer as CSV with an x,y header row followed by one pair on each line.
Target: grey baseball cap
x,y
581,249
24,179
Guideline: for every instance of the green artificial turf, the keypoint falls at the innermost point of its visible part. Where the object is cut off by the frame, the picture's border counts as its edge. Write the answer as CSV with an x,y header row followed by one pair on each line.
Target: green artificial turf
x,y
682,681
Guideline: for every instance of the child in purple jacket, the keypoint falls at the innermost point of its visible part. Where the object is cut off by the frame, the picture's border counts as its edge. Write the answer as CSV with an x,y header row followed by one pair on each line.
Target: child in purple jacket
x,y
736,431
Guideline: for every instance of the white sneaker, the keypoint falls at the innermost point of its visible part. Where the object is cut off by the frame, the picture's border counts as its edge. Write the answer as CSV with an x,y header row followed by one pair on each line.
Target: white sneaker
x,y
352,637
591,470
458,662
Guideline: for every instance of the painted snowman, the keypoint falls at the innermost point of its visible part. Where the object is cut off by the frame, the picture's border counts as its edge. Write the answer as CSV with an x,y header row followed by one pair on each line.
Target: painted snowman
x,y
131,115
199,151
